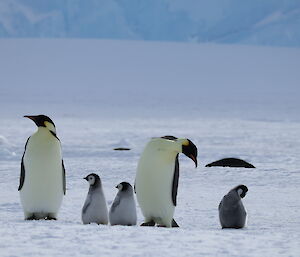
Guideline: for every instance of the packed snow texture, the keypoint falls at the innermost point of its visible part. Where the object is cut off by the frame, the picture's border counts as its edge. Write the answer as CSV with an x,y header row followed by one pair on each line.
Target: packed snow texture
x,y
268,22
231,101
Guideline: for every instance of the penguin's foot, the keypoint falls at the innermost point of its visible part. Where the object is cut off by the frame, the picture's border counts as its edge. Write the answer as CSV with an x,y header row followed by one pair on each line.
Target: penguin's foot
x,y
174,224
233,227
101,223
151,223
32,217
50,218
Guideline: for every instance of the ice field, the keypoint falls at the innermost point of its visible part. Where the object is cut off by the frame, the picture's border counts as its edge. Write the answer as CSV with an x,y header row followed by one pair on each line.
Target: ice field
x,y
231,101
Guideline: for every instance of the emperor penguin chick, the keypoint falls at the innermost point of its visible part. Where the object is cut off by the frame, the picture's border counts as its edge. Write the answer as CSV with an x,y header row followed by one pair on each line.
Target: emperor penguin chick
x,y
42,179
232,213
123,210
94,209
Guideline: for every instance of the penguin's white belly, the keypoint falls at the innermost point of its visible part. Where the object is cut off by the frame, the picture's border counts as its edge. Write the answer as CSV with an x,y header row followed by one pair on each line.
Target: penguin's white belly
x,y
42,190
154,183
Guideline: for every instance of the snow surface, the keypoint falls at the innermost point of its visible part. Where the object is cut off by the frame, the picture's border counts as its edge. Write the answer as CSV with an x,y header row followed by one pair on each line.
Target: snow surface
x,y
231,101
267,22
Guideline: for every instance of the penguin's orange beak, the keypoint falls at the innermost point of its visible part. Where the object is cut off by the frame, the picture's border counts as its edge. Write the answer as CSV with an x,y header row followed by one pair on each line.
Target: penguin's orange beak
x,y
29,117
35,119
191,151
194,159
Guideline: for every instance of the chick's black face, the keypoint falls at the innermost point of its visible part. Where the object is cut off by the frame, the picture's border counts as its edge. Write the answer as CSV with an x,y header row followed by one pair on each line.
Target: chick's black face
x,y
93,179
244,190
40,120
190,151
124,186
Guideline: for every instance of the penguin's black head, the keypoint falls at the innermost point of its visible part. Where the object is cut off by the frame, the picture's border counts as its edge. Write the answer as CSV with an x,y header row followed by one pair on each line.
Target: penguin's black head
x,y
170,137
93,179
124,186
188,147
42,121
241,190
190,150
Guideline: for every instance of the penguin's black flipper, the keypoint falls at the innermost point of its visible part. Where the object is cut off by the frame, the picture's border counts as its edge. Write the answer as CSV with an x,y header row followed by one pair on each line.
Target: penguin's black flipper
x,y
22,175
174,224
64,176
134,187
175,181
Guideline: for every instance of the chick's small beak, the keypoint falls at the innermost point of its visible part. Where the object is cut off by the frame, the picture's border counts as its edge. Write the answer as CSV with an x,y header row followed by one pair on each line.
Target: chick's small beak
x,y
85,178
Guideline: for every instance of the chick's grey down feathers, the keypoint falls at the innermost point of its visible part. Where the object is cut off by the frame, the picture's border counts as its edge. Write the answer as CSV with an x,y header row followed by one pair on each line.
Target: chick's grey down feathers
x,y
232,213
94,209
123,209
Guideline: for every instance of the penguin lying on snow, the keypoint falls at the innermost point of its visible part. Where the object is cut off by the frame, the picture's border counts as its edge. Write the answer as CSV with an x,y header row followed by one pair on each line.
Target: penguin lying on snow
x,y
157,177
94,209
42,179
232,213
230,162
123,210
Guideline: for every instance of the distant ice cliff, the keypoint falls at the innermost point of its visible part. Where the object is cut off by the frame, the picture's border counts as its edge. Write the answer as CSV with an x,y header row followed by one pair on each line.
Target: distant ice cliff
x,y
268,22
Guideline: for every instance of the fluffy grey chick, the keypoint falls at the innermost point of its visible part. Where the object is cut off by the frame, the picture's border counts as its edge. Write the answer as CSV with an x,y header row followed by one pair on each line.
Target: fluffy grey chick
x,y
123,210
232,213
95,208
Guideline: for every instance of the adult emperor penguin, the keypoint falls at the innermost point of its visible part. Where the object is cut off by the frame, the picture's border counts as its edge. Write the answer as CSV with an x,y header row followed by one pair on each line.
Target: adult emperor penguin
x,y
123,210
94,209
232,213
42,180
157,177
